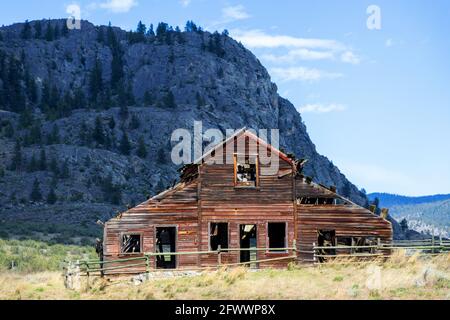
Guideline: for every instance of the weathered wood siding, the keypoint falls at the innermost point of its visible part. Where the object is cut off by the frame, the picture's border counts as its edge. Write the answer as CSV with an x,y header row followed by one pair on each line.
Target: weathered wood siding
x,y
346,220
221,201
178,209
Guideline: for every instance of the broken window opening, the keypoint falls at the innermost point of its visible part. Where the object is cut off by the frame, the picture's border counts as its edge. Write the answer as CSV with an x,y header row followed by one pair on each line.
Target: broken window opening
x,y
326,238
248,240
357,242
277,236
218,236
166,243
131,243
246,171
321,201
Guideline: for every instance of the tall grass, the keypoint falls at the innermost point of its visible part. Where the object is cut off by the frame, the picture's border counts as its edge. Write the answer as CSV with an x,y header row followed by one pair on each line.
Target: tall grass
x,y
34,256
400,277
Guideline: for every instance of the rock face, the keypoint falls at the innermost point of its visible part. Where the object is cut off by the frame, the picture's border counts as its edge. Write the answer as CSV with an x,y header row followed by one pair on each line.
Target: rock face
x,y
169,81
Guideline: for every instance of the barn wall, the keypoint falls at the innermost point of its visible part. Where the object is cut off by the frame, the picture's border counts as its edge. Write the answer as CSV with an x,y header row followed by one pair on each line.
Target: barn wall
x,y
178,209
221,201
347,220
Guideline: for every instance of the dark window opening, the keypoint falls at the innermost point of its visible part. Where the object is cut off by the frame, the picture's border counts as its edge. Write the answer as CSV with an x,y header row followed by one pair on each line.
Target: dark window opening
x,y
358,242
326,238
321,201
246,169
277,236
218,236
247,239
166,243
131,243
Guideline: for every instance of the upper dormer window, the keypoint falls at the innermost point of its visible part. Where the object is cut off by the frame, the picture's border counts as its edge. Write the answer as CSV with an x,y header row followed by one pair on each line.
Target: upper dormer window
x,y
246,171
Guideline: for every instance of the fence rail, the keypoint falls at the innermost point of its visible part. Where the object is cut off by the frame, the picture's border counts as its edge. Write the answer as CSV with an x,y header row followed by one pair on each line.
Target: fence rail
x,y
319,254
430,247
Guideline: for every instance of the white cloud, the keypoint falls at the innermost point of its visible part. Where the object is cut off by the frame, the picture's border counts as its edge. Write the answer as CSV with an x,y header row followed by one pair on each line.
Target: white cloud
x,y
233,13
259,39
322,108
299,54
185,3
118,6
350,57
303,74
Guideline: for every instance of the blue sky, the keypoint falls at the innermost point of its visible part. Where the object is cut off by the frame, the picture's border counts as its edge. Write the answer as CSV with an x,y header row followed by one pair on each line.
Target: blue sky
x,y
375,101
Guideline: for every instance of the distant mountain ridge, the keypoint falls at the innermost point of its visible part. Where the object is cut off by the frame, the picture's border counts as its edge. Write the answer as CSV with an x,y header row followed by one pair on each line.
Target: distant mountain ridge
x,y
388,199
426,214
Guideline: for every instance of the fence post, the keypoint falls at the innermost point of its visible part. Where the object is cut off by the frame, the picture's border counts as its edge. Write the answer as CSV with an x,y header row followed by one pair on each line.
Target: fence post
x,y
294,244
219,255
147,264
432,243
314,252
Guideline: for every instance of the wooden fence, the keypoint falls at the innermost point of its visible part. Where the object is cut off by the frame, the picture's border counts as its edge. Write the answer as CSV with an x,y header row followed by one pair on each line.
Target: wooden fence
x,y
426,247
98,268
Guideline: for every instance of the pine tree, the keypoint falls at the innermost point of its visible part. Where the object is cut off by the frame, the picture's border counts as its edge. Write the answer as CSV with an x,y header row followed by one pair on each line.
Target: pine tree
x,y
96,81
16,162
161,156
404,224
125,145
112,123
123,112
65,171
51,197
169,100
38,30
53,137
150,31
65,30
36,134
140,32
54,167
79,99
142,149
49,33
148,98
98,134
43,160
101,35
26,31
33,165
111,192
56,32
134,123
36,194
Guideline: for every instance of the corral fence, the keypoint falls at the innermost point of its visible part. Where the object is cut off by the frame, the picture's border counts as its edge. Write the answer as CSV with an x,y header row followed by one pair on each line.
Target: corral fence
x,y
74,270
429,247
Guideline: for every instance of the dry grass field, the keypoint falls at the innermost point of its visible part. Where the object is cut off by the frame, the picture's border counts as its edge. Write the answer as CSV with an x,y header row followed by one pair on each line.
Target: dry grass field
x,y
401,277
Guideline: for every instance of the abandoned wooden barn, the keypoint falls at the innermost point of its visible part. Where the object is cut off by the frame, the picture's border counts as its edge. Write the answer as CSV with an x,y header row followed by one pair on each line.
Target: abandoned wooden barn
x,y
239,205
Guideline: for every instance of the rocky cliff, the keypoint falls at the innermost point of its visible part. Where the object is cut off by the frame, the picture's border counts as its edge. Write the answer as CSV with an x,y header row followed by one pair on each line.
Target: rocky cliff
x,y
87,116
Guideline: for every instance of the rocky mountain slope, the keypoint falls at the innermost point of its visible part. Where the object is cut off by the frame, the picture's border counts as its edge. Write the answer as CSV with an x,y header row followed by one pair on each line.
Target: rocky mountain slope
x,y
86,117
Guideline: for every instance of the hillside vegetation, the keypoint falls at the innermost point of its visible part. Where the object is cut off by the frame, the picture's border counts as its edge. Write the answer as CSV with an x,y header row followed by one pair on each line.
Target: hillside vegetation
x,y
86,118
29,256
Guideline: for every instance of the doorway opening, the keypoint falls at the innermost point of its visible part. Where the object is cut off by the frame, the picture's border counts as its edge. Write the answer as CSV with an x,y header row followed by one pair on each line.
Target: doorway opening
x,y
248,240
166,243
